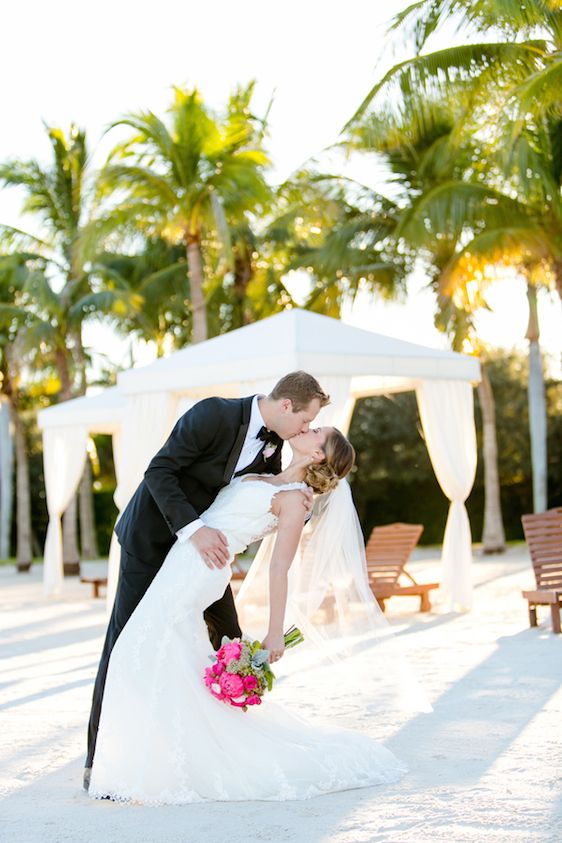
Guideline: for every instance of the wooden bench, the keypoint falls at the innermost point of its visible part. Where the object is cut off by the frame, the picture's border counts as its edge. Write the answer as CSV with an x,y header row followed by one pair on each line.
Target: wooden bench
x,y
388,550
543,533
96,582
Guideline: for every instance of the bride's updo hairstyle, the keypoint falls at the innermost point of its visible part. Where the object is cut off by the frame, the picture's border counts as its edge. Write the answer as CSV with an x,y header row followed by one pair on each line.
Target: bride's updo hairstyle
x,y
340,456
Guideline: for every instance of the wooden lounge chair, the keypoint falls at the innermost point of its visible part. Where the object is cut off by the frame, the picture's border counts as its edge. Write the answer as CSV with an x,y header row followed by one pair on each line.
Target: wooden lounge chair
x,y
238,571
96,582
388,550
543,532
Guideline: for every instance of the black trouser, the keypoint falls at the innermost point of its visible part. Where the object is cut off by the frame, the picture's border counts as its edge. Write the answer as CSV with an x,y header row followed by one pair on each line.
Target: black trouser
x,y
135,577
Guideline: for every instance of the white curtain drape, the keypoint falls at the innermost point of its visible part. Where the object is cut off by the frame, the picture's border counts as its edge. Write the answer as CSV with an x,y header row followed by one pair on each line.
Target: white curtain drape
x,y
447,416
64,457
340,409
6,475
114,548
149,418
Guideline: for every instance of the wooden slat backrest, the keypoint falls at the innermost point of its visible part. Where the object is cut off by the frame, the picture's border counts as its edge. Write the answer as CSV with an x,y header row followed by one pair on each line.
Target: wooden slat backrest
x,y
543,532
388,550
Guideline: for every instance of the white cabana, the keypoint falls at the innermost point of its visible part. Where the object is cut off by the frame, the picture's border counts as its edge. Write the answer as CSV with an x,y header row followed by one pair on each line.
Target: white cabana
x,y
66,428
349,362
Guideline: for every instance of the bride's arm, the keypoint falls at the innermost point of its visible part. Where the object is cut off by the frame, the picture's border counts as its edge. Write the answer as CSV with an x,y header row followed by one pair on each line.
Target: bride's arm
x,y
291,520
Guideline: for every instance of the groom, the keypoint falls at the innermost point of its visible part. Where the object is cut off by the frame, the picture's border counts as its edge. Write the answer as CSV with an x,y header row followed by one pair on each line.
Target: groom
x,y
216,439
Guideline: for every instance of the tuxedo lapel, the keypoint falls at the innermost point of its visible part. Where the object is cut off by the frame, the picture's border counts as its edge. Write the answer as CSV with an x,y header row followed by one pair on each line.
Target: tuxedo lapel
x,y
239,441
257,462
260,463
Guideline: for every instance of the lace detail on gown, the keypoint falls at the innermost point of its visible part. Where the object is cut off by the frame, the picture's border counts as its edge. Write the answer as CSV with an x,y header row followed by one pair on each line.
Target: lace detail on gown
x,y
163,739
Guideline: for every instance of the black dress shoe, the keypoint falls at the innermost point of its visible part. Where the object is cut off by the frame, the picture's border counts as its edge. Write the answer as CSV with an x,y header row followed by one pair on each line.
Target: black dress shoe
x,y
86,779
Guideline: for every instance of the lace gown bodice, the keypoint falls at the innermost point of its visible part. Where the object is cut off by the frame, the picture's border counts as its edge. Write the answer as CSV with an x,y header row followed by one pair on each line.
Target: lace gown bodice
x,y
164,739
242,510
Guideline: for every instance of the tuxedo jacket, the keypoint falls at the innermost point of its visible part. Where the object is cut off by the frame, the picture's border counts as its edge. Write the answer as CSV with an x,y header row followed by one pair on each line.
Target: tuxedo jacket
x,y
186,475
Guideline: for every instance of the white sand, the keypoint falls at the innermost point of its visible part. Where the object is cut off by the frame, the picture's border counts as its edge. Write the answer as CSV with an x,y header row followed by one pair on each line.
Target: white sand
x,y
485,765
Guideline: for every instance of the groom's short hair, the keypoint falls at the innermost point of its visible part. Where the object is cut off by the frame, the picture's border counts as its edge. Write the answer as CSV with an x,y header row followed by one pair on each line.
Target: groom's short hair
x,y
301,388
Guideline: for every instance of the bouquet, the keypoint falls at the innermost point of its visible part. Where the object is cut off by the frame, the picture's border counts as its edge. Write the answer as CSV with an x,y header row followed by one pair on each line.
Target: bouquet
x,y
240,674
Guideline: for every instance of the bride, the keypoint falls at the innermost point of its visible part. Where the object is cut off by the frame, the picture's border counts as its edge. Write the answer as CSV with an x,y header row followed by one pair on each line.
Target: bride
x,y
163,738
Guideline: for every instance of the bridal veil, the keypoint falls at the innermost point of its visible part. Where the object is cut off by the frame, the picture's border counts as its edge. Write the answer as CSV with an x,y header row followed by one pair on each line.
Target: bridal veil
x,y
330,600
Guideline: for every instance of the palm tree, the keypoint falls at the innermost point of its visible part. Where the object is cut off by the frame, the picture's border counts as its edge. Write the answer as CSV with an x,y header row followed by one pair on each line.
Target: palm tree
x,y
498,231
10,379
60,197
338,233
187,181
512,212
510,88
537,406
6,476
141,294
422,159
11,376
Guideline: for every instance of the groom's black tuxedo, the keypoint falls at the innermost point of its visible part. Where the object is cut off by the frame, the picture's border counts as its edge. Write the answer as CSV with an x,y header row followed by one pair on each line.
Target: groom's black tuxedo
x,y
186,475
181,481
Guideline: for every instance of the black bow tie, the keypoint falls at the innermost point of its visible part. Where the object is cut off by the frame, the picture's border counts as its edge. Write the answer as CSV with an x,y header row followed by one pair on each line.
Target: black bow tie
x,y
268,436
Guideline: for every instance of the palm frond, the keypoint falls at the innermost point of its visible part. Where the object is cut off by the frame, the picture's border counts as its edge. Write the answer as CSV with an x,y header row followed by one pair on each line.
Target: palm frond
x,y
119,304
152,142
156,281
32,336
38,187
538,95
62,174
141,182
442,70
420,20
452,207
507,245
9,312
15,239
45,299
511,16
129,219
529,161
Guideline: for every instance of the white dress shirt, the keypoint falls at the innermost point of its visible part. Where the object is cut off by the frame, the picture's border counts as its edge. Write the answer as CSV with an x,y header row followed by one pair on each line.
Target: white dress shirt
x,y
250,449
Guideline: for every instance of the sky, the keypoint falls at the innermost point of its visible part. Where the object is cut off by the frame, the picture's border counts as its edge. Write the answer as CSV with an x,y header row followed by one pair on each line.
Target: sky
x,y
90,63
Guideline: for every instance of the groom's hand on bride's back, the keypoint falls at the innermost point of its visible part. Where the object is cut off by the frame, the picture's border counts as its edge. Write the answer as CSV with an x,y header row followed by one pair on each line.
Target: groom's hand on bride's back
x,y
212,546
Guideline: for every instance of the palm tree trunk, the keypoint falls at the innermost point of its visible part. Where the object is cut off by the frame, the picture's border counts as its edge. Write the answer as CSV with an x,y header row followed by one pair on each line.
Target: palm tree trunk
x,y
81,359
6,476
88,542
24,554
493,535
537,406
243,272
63,371
195,275
70,553
557,267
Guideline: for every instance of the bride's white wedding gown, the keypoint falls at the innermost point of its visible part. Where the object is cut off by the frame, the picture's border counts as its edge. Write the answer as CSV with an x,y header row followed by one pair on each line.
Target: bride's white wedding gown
x,y
164,739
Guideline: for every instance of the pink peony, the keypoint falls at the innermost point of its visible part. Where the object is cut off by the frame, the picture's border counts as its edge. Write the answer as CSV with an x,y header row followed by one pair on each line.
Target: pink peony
x,y
229,651
217,668
250,682
253,700
231,684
